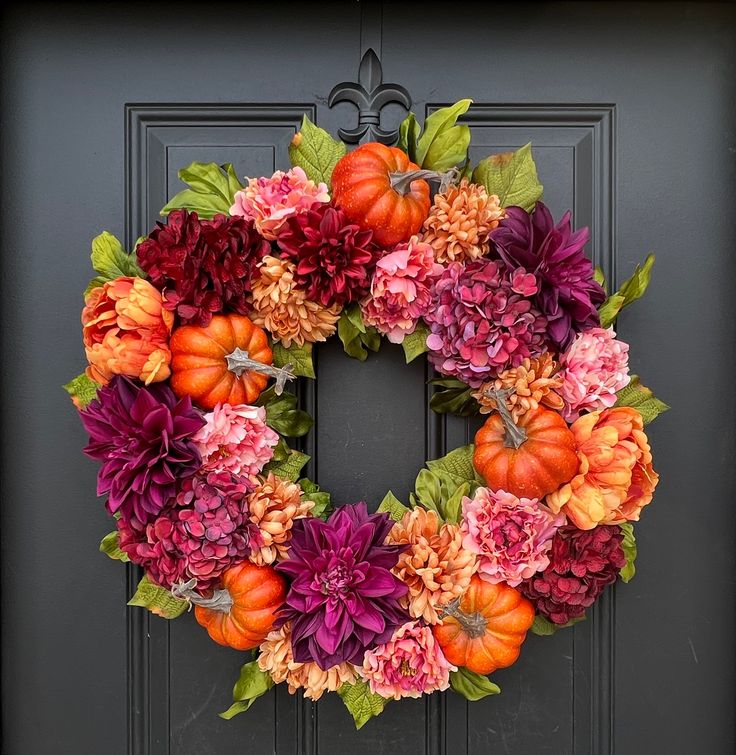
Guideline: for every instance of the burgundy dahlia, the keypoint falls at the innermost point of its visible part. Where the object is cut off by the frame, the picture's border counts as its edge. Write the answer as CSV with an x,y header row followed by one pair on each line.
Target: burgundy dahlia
x,y
482,321
334,258
143,437
202,266
198,535
343,598
568,295
582,564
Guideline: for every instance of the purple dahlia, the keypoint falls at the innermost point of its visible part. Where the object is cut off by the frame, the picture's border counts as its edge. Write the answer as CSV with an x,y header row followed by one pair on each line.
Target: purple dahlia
x,y
143,437
343,598
482,321
568,294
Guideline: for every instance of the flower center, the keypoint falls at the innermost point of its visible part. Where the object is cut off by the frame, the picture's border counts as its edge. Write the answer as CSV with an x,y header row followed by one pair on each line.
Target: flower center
x,y
405,669
335,582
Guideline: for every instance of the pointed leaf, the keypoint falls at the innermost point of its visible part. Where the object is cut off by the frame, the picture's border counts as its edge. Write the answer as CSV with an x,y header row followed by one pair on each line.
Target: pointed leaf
x,y
472,686
320,498
361,702
82,390
299,357
642,399
289,468
629,546
251,684
629,291
393,507
453,397
212,190
512,176
444,144
315,151
416,343
157,600
111,261
408,135
110,546
355,336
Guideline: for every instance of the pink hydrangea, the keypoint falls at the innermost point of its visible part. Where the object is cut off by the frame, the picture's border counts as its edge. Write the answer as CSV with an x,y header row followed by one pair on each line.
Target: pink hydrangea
x,y
400,289
410,664
235,439
512,536
594,367
269,202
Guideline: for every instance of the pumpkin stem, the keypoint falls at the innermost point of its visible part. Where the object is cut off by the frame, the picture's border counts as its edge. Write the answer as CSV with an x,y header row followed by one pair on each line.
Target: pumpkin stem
x,y
401,182
221,600
473,624
239,361
515,435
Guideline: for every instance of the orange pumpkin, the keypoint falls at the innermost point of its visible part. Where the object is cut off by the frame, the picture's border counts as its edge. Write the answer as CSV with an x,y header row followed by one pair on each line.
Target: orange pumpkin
x,y
369,186
199,366
246,615
530,458
485,630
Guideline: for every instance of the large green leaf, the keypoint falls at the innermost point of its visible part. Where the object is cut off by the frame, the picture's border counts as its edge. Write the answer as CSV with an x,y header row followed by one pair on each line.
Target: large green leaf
x,y
111,261
642,399
472,686
82,390
392,506
282,414
212,190
110,546
458,463
416,343
157,600
321,498
356,337
315,151
453,397
361,702
444,143
290,467
512,176
629,291
629,546
441,492
299,357
251,684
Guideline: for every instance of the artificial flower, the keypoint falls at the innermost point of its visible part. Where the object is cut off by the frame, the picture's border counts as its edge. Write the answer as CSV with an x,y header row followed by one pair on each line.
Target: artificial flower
x,y
126,331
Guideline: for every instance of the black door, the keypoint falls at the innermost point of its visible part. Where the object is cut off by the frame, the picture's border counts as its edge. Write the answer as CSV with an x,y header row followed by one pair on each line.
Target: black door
x,y
631,112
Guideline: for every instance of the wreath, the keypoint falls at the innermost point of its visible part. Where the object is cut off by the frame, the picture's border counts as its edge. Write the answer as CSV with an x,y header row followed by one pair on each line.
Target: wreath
x,y
521,531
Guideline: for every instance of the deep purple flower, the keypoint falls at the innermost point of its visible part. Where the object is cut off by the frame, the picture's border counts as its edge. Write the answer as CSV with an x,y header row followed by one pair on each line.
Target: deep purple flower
x,y
343,598
143,437
568,294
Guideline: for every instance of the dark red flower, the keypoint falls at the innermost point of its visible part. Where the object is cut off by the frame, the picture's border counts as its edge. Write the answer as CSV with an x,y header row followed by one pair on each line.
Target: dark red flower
x,y
582,564
202,266
334,258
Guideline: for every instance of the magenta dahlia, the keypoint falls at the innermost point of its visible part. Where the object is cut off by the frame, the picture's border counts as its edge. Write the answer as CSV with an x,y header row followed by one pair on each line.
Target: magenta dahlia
x,y
202,266
334,258
143,437
481,322
568,294
582,564
343,598
202,532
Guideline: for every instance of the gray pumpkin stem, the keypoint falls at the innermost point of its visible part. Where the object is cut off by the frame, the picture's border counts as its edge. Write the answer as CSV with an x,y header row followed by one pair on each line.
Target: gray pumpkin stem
x,y
239,362
401,182
221,600
515,435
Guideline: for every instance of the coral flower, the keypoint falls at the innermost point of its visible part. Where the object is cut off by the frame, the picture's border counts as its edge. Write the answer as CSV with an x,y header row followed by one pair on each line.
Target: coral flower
x,y
410,664
270,202
616,479
126,331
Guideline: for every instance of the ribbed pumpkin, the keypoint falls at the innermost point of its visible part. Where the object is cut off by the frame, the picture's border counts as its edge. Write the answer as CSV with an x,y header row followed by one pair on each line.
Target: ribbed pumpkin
x,y
530,458
199,361
256,593
367,184
485,631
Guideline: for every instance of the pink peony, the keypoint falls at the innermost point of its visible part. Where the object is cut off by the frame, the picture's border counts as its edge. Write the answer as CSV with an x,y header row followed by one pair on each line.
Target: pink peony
x,y
401,289
512,536
269,202
235,439
410,664
594,367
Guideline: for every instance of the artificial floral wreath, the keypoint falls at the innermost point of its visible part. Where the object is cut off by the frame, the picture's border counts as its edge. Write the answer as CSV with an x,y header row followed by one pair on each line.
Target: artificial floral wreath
x,y
521,531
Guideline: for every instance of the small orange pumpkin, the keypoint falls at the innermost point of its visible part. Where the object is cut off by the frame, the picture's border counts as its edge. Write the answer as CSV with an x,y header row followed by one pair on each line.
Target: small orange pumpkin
x,y
485,631
369,186
199,366
248,601
530,458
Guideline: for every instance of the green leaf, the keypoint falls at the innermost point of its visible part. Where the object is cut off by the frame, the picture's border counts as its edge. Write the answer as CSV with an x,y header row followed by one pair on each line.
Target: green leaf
x,y
393,507
321,498
281,450
408,135
600,279
642,399
629,291
416,343
361,702
544,627
458,463
282,414
110,546
356,337
111,261
440,492
315,151
444,143
629,546
472,686
212,190
512,176
299,357
82,390
157,600
251,684
453,397
289,468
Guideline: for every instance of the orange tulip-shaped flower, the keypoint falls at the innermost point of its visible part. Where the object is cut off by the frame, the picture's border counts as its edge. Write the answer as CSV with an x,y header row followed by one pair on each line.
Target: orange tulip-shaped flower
x,y
126,331
616,479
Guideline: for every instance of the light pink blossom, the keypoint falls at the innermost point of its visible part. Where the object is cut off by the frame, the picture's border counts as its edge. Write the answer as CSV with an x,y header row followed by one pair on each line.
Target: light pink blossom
x,y
594,367
236,439
511,536
410,664
400,289
269,202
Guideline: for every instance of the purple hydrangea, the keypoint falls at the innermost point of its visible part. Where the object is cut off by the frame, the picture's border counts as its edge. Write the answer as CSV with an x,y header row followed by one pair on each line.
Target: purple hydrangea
x,y
343,598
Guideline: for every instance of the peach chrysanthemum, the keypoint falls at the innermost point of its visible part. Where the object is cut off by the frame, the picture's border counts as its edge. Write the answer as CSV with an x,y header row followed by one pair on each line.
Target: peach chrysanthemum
x,y
435,566
273,506
283,309
277,660
460,222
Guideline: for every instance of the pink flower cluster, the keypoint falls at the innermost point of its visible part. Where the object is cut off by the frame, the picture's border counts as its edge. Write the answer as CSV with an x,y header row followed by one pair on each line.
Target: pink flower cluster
x,y
512,536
